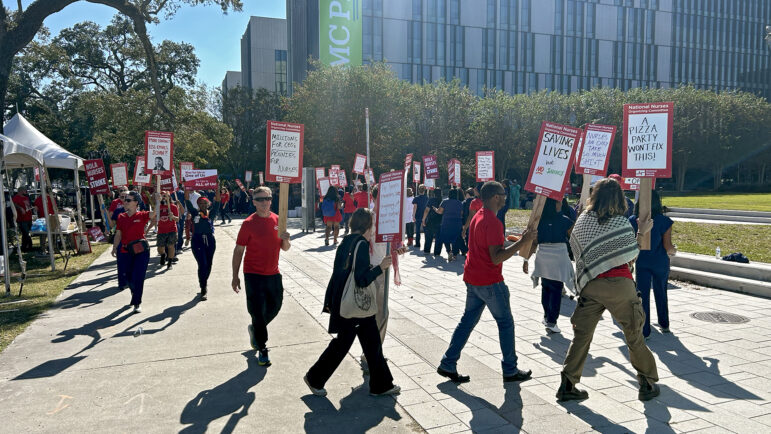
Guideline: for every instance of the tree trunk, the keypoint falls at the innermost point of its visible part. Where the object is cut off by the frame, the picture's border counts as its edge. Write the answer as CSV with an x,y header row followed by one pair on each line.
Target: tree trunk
x,y
718,176
682,168
762,175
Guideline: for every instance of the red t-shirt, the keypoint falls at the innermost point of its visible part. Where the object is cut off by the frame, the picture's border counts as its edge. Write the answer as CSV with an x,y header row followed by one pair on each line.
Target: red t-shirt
x,y
224,198
132,228
260,237
23,208
362,199
620,271
485,230
115,204
475,204
39,206
349,206
165,224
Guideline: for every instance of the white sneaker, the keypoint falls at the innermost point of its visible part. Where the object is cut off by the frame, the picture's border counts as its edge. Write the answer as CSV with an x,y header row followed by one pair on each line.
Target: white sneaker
x,y
137,309
317,392
553,328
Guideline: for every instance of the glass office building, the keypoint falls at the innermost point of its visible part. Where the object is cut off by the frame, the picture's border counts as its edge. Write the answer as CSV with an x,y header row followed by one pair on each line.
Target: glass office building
x,y
566,45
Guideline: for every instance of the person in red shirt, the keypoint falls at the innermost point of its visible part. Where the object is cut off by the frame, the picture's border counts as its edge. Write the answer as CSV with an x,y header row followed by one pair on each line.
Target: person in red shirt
x,y
361,198
23,217
604,246
224,199
349,207
130,246
260,239
485,287
168,215
39,205
118,201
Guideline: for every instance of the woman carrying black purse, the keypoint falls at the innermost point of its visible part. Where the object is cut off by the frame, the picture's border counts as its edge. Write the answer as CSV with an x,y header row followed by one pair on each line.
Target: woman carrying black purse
x,y
133,247
380,380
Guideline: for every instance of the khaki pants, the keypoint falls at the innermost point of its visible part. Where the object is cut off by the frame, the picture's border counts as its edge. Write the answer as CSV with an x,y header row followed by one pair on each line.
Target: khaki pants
x,y
619,296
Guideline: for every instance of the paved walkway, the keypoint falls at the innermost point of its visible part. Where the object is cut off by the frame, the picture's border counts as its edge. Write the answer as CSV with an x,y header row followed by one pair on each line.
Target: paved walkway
x,y
82,366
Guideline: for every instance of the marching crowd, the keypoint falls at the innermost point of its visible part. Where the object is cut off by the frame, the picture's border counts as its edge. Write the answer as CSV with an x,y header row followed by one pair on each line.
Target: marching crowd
x,y
592,251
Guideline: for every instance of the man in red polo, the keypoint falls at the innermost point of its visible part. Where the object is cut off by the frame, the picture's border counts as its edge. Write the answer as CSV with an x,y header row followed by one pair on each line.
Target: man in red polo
x,y
485,287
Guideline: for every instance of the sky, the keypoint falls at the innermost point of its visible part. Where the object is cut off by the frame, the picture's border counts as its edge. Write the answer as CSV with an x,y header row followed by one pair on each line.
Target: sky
x,y
216,37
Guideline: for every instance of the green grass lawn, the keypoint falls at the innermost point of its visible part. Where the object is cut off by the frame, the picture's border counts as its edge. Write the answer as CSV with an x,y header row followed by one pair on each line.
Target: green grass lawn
x,y
738,201
40,289
752,240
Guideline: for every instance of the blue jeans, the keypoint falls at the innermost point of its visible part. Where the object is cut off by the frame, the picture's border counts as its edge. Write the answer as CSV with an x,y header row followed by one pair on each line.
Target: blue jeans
x,y
658,279
135,267
180,232
122,275
203,251
551,299
496,298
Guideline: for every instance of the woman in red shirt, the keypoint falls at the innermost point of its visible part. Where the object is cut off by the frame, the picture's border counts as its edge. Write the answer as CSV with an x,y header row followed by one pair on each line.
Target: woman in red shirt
x,y
167,229
604,245
130,245
224,199
349,207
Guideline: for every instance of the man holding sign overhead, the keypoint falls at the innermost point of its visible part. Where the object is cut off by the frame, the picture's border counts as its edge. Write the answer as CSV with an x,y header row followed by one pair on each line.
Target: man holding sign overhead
x,y
485,287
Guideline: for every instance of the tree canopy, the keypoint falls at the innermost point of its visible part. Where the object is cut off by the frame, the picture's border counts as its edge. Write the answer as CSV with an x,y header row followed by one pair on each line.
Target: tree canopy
x,y
713,131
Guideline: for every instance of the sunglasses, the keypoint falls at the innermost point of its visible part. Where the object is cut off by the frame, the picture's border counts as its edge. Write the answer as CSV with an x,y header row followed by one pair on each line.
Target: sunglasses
x,y
129,200
262,199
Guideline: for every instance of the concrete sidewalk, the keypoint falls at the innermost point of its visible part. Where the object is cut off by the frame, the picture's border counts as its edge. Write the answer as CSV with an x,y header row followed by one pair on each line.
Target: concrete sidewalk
x,y
81,368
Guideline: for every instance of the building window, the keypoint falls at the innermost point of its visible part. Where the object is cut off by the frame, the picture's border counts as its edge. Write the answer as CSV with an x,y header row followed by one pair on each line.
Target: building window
x,y
490,13
417,9
430,43
460,45
440,43
525,15
366,39
455,12
280,72
559,14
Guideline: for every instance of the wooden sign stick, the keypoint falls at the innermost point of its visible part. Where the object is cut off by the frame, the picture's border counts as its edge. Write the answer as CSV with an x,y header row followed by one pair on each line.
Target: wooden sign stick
x,y
283,206
105,220
535,218
645,210
158,200
587,185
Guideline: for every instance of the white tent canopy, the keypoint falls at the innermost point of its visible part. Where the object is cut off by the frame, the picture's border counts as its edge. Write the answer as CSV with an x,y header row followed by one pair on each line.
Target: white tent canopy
x,y
56,157
18,155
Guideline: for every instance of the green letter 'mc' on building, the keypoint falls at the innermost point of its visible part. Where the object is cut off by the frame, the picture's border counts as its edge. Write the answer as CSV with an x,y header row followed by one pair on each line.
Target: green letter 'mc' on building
x,y
340,32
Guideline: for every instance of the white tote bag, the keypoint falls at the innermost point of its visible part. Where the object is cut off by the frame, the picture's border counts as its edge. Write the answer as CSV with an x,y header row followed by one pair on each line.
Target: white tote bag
x,y
357,301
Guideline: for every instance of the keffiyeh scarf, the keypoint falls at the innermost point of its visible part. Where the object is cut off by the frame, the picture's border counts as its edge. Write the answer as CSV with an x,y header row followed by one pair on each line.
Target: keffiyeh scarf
x,y
598,248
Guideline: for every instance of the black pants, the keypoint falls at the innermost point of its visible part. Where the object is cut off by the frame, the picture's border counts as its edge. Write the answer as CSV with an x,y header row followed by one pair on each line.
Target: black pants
x,y
264,295
410,230
418,228
26,240
380,379
432,235
224,214
203,251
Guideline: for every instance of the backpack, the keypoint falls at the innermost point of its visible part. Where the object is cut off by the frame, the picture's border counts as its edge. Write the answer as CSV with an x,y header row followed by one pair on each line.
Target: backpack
x,y
328,208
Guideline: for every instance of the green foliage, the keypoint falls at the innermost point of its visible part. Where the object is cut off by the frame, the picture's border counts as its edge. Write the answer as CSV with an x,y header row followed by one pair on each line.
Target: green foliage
x,y
247,113
89,90
713,131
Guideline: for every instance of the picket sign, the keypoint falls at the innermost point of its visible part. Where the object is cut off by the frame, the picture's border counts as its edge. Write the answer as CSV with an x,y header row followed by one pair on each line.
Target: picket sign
x,y
593,155
647,151
552,163
284,161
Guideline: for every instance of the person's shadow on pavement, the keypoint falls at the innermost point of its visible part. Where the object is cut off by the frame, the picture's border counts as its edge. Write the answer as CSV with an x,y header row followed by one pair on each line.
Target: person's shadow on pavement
x,y
688,366
358,413
510,410
231,398
93,330
172,313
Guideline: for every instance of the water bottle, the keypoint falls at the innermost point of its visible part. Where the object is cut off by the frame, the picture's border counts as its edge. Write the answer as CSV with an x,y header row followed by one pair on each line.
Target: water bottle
x,y
717,253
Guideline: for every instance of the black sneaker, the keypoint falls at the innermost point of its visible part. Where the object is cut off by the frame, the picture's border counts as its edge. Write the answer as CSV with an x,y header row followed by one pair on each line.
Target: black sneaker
x,y
648,390
453,376
203,294
519,376
175,260
568,392
163,260
168,266
262,357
